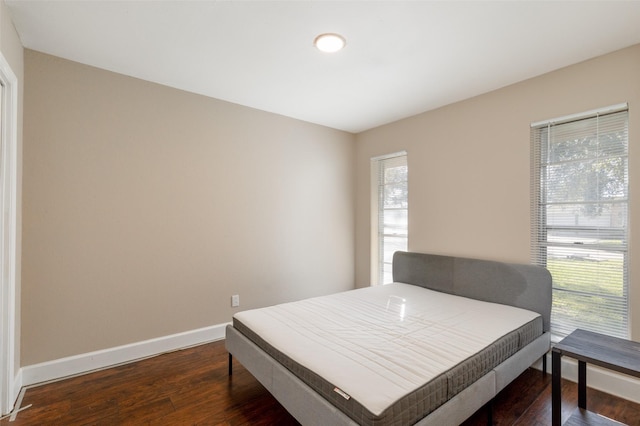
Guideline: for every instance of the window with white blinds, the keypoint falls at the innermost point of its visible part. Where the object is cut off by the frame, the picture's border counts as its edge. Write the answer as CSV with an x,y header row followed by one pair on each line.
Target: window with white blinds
x,y
390,174
580,218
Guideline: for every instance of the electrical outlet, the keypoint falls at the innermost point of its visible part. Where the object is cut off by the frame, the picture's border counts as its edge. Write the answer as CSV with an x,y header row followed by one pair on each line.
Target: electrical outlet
x,y
235,300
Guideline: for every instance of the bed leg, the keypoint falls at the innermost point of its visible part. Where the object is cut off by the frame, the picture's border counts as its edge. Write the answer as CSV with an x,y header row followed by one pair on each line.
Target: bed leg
x,y
490,413
544,365
230,364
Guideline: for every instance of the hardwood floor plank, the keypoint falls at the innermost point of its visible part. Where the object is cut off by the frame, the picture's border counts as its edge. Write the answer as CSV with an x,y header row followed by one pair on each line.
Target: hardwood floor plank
x,y
192,387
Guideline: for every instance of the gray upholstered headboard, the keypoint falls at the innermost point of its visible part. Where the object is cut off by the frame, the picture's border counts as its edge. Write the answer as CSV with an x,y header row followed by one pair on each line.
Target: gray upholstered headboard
x,y
524,286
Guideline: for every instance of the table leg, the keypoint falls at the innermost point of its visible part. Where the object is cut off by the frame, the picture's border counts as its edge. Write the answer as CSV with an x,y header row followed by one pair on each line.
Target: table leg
x,y
582,384
556,397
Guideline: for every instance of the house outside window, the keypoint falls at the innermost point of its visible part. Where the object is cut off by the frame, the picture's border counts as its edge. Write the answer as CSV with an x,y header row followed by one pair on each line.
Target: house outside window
x,y
390,210
580,218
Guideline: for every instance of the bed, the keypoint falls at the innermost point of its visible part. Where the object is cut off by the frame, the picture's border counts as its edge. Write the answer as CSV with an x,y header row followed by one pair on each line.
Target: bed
x,y
430,349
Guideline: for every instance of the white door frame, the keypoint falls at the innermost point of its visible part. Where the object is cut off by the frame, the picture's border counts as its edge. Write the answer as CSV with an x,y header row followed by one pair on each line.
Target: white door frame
x,y
9,386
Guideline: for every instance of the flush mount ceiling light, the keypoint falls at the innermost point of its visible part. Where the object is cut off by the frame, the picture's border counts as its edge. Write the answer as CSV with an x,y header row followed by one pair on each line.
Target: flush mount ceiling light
x,y
329,42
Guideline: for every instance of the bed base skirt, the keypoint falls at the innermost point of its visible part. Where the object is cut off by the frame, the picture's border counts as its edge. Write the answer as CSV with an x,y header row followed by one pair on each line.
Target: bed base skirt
x,y
309,408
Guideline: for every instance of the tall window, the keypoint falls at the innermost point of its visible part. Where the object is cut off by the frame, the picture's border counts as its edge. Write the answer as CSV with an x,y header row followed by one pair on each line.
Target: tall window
x,y
390,202
580,218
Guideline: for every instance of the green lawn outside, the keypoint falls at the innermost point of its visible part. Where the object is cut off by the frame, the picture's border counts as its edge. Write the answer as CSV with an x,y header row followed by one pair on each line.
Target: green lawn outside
x,y
607,289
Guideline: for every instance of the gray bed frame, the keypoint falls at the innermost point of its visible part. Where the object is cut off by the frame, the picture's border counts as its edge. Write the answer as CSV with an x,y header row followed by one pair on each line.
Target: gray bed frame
x,y
524,286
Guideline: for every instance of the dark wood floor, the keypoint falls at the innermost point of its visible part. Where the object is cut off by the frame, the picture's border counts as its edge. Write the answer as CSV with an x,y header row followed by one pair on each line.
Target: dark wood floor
x,y
192,387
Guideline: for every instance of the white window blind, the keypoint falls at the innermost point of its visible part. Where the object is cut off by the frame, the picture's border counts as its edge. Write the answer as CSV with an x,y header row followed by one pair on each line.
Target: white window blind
x,y
391,179
580,219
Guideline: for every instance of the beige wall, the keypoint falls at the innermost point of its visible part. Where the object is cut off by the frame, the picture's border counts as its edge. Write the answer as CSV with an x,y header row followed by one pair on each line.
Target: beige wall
x,y
12,50
146,208
469,167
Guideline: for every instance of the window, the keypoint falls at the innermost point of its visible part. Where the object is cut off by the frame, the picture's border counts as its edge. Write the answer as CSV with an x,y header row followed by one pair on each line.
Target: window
x,y
580,218
390,209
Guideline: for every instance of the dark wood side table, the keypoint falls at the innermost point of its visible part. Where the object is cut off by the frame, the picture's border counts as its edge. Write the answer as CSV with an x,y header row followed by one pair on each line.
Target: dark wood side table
x,y
609,352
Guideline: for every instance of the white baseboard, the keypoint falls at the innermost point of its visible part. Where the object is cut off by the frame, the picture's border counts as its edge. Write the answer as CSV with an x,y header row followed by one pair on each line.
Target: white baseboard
x,y
84,363
604,380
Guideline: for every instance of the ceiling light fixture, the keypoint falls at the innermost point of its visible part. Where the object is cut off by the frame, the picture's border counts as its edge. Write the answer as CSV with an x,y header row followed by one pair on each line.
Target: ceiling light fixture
x,y
329,42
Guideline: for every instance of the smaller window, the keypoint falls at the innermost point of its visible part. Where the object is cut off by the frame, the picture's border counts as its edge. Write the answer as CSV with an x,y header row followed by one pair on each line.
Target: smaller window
x,y
390,213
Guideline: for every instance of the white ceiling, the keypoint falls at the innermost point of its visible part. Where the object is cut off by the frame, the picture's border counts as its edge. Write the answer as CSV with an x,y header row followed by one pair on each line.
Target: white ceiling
x,y
402,58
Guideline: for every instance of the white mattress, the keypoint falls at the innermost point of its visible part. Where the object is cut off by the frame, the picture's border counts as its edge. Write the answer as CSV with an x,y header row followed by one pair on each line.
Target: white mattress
x,y
378,344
